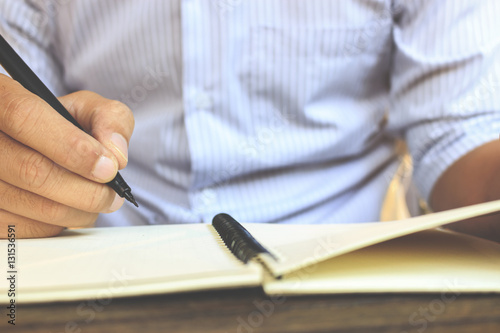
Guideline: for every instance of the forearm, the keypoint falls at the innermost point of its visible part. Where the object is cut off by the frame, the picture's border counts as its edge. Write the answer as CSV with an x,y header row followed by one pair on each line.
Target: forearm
x,y
472,179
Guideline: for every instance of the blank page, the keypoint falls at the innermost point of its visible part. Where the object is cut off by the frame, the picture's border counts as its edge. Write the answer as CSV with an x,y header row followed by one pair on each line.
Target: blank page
x,y
428,261
127,261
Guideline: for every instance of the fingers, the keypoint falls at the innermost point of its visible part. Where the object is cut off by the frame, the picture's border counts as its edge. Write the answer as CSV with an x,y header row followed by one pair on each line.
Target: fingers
x,y
27,169
51,172
32,206
110,122
31,121
35,216
26,228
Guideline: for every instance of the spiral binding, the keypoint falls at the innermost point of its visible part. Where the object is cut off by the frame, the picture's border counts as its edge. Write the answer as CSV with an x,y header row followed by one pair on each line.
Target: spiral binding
x,y
237,238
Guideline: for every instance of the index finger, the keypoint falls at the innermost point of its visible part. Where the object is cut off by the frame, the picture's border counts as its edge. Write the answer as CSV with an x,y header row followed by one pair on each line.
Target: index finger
x,y
109,121
31,121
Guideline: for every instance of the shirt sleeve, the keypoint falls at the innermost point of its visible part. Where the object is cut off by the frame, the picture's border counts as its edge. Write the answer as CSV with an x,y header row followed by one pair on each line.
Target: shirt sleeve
x,y
29,26
445,81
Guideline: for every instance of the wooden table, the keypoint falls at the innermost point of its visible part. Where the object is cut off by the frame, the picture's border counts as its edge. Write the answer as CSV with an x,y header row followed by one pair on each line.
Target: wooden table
x,y
249,310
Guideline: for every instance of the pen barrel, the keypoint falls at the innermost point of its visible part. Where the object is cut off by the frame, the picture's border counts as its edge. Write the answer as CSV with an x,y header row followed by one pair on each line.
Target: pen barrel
x,y
119,185
22,73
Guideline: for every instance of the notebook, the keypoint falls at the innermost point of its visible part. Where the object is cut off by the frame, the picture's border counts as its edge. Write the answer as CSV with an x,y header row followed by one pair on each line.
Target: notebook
x,y
411,255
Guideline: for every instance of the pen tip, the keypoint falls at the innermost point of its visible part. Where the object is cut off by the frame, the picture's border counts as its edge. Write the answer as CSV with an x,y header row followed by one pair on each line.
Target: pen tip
x,y
130,198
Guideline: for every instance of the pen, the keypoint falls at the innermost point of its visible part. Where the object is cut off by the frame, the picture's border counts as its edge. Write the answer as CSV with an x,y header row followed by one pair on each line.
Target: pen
x,y
21,72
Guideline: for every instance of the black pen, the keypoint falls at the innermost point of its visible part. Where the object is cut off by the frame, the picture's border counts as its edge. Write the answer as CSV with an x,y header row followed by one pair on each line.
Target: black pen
x,y
21,72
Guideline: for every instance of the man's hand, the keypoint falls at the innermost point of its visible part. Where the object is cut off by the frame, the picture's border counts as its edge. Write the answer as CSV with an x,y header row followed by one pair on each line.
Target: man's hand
x,y
52,174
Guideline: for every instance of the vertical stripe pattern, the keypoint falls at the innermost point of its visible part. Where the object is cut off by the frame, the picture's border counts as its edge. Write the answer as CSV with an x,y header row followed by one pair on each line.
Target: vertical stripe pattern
x,y
279,111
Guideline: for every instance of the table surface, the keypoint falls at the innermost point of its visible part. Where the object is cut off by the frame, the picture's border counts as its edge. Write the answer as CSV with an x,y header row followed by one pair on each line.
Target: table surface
x,y
250,310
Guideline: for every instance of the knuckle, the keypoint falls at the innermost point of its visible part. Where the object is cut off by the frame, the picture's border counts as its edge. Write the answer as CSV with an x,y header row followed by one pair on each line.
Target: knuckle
x,y
98,198
35,171
76,150
118,107
119,110
17,113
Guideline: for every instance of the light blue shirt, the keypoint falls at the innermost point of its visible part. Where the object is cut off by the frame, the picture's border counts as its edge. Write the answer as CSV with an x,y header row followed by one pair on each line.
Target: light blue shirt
x,y
273,111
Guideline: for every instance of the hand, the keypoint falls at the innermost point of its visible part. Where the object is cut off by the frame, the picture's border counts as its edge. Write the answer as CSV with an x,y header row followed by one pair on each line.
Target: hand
x,y
52,174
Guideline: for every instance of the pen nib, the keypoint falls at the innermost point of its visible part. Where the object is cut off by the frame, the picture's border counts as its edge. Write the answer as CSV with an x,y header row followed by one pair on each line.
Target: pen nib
x,y
128,195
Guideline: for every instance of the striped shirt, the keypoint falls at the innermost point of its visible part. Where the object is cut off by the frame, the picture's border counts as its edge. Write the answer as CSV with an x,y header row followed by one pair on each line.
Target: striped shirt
x,y
278,111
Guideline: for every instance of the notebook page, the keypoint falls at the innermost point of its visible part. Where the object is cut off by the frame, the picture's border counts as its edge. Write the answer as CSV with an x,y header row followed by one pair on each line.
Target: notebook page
x,y
297,246
428,261
126,261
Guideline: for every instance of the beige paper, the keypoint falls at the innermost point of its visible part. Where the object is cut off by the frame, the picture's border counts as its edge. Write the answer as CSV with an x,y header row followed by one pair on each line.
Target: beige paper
x,y
130,261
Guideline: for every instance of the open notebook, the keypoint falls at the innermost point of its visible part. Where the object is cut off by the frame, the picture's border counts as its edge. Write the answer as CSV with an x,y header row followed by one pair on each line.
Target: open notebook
x,y
411,255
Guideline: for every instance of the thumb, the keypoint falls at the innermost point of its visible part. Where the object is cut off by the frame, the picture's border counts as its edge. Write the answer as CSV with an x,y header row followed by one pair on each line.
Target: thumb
x,y
109,121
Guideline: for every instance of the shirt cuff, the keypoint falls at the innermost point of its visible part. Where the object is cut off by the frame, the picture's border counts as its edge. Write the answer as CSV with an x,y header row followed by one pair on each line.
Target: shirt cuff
x,y
445,143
